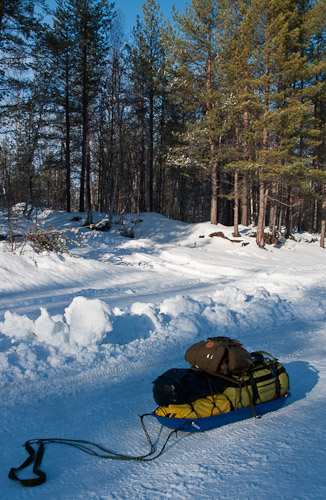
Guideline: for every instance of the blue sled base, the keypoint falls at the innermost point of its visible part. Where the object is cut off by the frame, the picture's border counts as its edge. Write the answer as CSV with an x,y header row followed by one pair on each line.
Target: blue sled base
x,y
208,423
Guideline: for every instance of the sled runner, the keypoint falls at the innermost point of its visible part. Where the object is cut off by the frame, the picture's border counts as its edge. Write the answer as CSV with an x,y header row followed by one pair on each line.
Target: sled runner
x,y
209,423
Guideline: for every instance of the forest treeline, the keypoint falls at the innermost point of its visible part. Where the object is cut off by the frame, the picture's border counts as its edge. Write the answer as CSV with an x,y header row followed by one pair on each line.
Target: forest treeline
x,y
217,114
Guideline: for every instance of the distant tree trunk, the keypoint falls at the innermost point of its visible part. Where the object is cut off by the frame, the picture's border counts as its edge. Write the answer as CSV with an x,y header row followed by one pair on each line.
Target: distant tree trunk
x,y
299,216
88,181
236,204
84,136
85,170
161,180
318,210
214,198
260,239
151,152
213,161
272,221
115,179
273,211
68,166
236,180
311,216
280,220
252,204
2,6
322,233
289,214
323,219
262,191
142,176
244,200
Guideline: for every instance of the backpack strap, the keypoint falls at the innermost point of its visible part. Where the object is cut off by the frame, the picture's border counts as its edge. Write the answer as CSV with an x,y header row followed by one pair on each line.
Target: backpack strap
x,y
266,354
276,371
252,406
186,396
240,384
253,384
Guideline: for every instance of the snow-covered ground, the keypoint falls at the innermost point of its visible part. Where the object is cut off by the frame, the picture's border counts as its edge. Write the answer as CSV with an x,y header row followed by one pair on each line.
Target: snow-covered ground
x,y
82,337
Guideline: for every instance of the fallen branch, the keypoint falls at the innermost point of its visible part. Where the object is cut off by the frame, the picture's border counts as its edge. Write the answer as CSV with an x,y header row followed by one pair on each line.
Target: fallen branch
x,y
222,235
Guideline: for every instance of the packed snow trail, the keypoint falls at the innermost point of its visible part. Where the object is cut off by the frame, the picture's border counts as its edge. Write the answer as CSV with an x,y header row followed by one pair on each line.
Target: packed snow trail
x,y
280,455
83,337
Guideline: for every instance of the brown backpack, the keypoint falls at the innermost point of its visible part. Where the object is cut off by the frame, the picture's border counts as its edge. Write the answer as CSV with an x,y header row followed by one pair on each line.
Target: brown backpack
x,y
219,355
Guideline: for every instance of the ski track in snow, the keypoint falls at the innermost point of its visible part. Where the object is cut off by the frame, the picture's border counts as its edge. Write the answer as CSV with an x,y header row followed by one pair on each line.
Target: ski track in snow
x,y
148,300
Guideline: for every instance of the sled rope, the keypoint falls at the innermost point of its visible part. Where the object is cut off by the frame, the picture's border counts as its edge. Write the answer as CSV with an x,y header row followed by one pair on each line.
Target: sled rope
x,y
88,447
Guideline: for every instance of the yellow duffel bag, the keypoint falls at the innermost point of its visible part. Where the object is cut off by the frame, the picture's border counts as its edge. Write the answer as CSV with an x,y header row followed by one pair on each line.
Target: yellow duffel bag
x,y
268,380
203,407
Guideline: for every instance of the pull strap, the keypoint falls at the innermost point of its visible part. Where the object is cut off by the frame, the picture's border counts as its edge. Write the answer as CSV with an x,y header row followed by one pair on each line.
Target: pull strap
x,y
36,481
85,446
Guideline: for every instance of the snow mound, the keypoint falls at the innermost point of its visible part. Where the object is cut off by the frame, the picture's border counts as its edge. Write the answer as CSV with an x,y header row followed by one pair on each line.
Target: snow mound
x,y
16,326
88,321
85,322
91,335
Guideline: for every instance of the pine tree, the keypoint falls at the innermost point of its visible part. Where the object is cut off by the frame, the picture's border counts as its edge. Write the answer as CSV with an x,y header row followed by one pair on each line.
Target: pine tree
x,y
193,68
20,26
111,148
315,25
146,59
88,23
234,39
63,47
284,115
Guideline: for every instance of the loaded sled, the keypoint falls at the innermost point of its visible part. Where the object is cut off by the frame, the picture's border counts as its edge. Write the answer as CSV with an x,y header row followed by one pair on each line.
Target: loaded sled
x,y
225,384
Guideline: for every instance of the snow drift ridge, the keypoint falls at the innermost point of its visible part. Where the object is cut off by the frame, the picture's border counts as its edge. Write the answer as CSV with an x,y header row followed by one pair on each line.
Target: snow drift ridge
x,y
92,333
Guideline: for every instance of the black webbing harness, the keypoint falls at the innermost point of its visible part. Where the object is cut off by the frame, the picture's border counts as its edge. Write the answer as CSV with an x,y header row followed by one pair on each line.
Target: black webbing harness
x,y
35,457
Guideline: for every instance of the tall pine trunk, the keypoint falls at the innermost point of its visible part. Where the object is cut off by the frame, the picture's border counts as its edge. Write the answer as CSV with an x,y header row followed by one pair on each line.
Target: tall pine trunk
x,y
2,7
68,161
86,164
273,211
289,214
323,219
236,182
84,131
236,204
214,193
244,200
151,152
263,192
262,188
142,169
213,161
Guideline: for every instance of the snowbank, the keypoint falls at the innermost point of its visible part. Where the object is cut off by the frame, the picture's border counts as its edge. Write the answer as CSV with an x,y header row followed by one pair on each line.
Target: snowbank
x,y
91,335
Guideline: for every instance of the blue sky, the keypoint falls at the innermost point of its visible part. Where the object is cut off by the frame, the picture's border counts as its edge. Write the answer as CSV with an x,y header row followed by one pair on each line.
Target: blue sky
x,y
130,9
